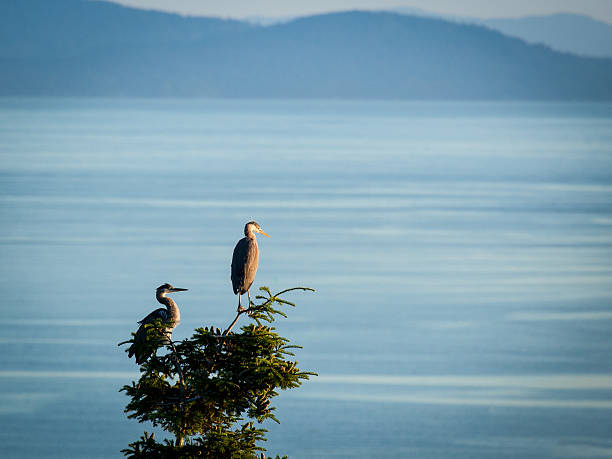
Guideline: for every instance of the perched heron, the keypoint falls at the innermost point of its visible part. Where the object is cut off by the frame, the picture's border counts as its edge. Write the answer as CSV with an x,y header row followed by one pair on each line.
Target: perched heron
x,y
245,261
170,314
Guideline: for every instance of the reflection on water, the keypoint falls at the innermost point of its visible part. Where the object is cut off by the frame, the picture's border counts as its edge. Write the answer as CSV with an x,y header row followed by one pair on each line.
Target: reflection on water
x,y
560,381
461,254
535,391
461,399
546,316
70,374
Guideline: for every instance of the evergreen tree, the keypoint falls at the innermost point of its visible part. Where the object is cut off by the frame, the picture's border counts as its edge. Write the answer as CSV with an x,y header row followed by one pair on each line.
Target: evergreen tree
x,y
213,391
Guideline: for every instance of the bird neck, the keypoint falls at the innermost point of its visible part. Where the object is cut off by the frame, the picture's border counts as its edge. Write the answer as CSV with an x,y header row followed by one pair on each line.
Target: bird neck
x,y
173,310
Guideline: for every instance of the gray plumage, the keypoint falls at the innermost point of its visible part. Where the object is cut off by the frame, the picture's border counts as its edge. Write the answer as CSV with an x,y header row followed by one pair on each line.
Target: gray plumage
x,y
170,313
245,261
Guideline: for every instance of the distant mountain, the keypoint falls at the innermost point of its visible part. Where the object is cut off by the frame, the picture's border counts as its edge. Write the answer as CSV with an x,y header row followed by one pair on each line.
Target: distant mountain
x,y
572,33
100,49
47,29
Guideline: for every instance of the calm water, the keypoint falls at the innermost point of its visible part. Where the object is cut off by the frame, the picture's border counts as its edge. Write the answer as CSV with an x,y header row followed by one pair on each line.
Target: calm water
x,y
461,252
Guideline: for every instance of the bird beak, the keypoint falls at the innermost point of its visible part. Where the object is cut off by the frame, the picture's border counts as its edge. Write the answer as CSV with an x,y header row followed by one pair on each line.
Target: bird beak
x,y
262,232
176,289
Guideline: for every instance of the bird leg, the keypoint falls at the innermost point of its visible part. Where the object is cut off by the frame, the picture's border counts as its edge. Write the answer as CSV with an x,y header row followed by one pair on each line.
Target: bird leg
x,y
250,304
240,308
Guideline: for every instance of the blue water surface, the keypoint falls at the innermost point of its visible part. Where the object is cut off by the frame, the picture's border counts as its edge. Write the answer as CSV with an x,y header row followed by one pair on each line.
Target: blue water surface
x,y
461,252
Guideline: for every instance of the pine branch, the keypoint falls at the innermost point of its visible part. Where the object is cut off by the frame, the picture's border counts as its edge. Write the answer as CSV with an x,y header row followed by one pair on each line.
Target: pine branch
x,y
223,379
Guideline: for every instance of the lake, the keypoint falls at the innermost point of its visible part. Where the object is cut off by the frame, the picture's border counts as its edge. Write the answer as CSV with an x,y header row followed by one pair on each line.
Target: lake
x,y
461,253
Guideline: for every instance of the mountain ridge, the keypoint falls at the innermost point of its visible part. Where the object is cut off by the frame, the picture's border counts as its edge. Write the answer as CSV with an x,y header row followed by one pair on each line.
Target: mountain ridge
x,y
573,33
352,54
566,32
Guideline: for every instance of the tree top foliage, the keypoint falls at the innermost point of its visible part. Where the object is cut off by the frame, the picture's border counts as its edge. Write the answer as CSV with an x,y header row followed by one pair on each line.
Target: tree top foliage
x,y
213,390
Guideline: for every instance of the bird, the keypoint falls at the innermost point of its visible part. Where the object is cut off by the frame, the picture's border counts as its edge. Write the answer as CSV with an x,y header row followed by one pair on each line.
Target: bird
x,y
245,261
170,314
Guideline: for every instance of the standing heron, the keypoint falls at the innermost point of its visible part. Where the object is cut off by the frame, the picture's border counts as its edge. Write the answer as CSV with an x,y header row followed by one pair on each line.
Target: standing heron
x,y
170,314
245,261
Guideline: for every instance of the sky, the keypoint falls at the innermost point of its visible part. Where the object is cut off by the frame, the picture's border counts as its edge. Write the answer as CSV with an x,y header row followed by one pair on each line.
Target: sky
x,y
598,9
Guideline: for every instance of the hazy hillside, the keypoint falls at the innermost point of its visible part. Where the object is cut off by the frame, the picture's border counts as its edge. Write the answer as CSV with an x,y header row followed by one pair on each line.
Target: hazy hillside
x,y
573,33
102,49
43,29
565,32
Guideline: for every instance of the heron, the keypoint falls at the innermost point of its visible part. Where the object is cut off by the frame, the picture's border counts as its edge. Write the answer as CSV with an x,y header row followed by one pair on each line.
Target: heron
x,y
245,261
170,314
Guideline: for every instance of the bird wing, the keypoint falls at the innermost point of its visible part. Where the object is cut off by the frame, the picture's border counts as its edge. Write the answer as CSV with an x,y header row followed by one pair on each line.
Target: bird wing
x,y
160,313
139,348
244,264
239,259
